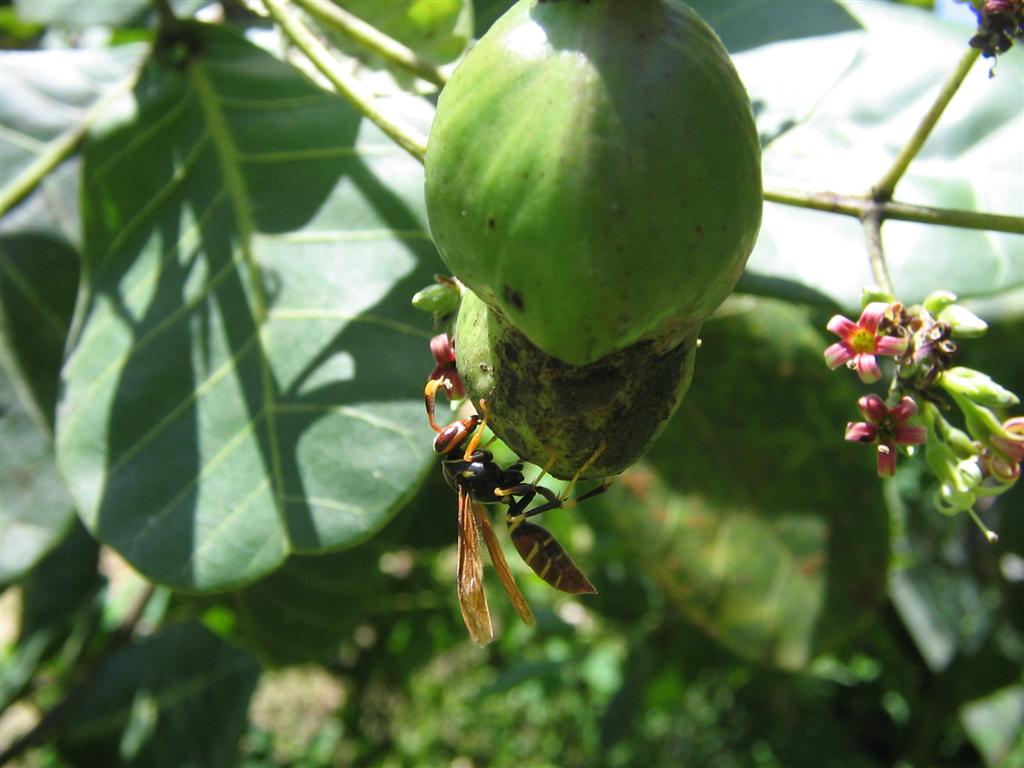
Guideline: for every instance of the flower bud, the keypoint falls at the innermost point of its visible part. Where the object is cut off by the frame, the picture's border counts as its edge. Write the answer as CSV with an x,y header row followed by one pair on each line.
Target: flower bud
x,y
963,323
871,295
441,298
937,301
977,386
985,427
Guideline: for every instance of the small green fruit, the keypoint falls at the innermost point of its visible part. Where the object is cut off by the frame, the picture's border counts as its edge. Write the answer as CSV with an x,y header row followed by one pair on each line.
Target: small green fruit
x,y
547,410
593,173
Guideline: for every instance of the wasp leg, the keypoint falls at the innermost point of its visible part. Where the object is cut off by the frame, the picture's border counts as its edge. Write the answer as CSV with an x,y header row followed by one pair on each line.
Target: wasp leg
x,y
580,472
546,468
474,441
552,500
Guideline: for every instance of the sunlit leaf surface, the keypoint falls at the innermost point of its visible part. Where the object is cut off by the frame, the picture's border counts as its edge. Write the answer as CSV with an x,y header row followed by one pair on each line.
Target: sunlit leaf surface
x,y
836,108
245,379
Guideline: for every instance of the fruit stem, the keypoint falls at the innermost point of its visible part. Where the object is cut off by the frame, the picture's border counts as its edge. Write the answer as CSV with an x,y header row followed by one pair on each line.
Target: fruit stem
x,y
346,84
372,39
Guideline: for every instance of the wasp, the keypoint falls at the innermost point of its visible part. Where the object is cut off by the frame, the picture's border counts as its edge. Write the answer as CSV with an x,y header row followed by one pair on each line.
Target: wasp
x,y
478,479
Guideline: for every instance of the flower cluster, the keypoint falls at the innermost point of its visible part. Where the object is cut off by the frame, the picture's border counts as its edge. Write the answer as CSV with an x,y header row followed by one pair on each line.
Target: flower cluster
x,y
1000,22
985,458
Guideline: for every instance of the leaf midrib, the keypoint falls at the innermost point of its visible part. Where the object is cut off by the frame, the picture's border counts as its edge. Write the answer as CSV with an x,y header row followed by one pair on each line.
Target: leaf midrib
x,y
230,162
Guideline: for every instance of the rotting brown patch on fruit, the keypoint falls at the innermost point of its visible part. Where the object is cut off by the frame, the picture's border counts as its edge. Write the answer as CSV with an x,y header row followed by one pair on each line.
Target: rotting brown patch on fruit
x,y
543,408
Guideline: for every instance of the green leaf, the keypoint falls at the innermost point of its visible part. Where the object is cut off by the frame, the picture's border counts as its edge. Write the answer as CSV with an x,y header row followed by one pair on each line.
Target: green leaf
x,y
176,699
246,379
37,511
743,25
760,524
486,12
303,611
65,580
995,725
942,609
50,98
838,107
53,596
112,13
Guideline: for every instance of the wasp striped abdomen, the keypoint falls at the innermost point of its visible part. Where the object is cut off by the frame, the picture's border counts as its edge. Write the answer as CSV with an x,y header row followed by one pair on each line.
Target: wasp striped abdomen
x,y
548,559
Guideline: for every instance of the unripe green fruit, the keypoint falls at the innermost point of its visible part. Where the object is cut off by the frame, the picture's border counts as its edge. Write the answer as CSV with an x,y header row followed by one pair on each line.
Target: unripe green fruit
x,y
546,410
593,173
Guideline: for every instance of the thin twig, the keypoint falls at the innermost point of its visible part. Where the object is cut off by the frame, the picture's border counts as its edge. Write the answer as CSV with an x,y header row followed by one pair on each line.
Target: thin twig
x,y
857,206
118,638
58,150
348,86
884,189
373,39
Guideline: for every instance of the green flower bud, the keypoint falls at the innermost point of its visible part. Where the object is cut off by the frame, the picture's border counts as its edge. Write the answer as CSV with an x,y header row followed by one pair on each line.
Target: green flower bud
x,y
963,323
441,298
977,386
872,295
938,301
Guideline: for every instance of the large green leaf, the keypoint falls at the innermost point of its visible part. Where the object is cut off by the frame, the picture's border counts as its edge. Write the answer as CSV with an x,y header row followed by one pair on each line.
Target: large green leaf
x,y
178,698
838,107
758,521
245,378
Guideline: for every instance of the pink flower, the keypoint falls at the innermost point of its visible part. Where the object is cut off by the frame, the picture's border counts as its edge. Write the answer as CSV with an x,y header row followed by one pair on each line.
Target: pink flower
x,y
859,342
443,350
886,428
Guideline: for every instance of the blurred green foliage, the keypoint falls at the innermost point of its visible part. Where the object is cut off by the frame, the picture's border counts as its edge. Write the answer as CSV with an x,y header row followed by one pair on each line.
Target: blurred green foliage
x,y
764,600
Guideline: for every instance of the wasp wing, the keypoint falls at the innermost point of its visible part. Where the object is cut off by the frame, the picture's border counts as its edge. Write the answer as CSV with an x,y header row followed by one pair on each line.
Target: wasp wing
x,y
501,565
472,600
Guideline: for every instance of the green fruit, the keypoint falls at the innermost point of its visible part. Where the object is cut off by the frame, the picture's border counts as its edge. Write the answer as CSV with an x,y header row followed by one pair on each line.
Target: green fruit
x,y
547,410
593,173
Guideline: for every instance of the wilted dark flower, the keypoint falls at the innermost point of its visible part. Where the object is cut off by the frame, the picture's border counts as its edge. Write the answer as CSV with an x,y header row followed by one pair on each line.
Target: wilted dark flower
x,y
886,428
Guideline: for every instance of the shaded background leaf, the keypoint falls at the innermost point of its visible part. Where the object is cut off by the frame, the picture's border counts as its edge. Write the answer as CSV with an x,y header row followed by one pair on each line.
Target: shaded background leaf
x,y
183,680
773,542
245,382
37,511
58,602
